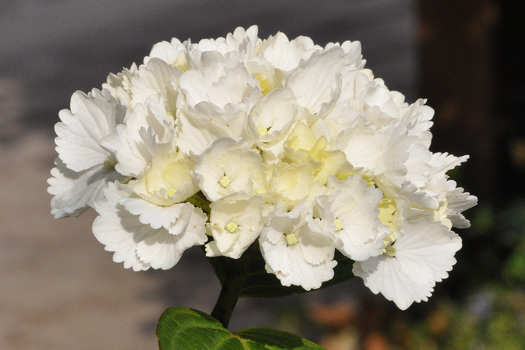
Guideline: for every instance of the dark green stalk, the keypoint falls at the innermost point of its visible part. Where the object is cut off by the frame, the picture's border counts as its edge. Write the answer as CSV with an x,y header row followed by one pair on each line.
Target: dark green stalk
x,y
232,286
200,201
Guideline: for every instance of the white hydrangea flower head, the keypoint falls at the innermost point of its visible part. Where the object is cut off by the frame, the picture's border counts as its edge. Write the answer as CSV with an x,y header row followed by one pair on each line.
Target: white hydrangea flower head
x,y
276,143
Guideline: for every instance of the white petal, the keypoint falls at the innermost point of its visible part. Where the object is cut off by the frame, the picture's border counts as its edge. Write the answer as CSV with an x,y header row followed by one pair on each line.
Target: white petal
x,y
244,215
314,83
118,230
137,245
199,128
443,162
163,250
422,199
285,54
73,192
306,275
426,250
166,51
146,132
305,260
368,249
424,253
156,78
355,205
289,265
383,153
292,183
275,114
229,167
384,275
212,250
118,84
92,117
192,222
151,214
317,249
418,169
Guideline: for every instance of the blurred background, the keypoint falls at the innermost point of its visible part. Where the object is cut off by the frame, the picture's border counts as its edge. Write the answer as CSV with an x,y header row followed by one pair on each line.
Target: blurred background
x,y
60,290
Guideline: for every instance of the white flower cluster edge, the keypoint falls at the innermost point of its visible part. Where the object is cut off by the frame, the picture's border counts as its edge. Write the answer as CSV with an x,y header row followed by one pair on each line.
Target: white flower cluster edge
x,y
292,144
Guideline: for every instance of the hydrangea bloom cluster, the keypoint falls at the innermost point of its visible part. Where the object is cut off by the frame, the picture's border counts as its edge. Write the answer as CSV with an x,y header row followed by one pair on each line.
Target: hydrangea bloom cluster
x,y
234,140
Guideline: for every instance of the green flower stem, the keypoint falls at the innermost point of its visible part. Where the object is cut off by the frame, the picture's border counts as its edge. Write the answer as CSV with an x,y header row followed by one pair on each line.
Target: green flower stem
x,y
200,201
232,286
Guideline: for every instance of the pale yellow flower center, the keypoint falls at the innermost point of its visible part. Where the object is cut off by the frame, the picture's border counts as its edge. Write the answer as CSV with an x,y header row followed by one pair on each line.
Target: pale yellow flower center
x,y
259,190
261,130
389,251
291,239
338,225
232,227
225,181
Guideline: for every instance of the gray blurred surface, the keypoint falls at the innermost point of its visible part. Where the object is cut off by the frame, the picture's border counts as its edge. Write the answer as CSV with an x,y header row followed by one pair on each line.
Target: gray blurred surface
x,y
58,288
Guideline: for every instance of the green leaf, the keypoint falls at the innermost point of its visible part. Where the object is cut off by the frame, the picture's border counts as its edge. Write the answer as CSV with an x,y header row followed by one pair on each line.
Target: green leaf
x,y
275,339
189,329
261,284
